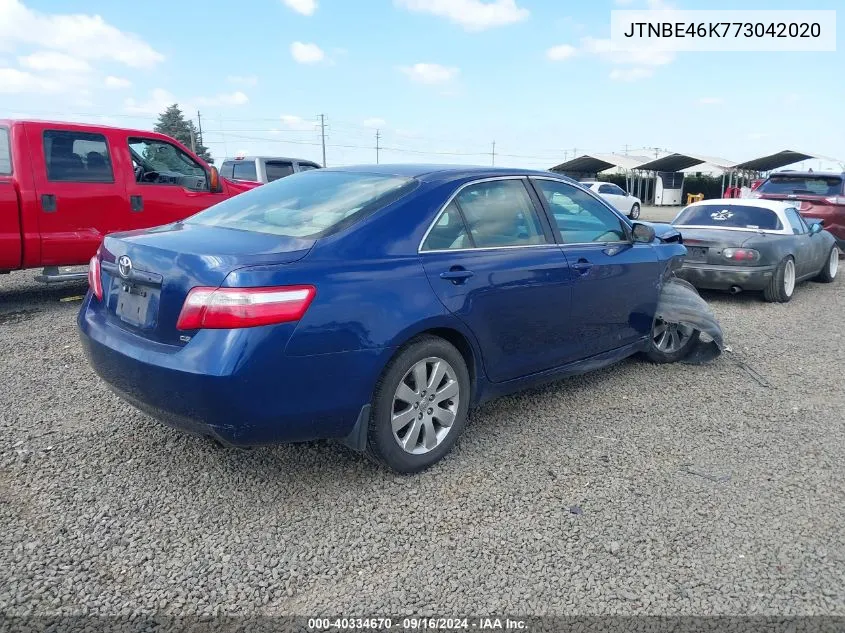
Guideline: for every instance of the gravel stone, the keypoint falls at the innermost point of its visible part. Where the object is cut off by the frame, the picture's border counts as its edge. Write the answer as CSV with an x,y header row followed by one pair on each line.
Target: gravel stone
x,y
123,515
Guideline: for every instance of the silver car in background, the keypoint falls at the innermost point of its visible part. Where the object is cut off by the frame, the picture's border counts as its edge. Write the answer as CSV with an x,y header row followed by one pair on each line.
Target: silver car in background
x,y
263,169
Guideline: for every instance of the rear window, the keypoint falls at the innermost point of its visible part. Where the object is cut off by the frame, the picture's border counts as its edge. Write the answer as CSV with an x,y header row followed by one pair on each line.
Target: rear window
x,y
733,216
5,152
806,185
309,204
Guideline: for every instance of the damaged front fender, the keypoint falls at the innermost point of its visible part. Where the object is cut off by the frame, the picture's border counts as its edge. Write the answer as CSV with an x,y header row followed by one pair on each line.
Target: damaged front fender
x,y
680,303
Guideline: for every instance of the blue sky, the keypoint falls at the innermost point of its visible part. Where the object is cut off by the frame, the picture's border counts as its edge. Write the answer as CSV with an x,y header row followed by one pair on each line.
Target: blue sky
x,y
440,79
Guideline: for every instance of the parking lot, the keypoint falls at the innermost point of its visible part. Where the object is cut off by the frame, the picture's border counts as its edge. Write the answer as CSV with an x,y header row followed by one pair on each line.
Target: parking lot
x,y
674,489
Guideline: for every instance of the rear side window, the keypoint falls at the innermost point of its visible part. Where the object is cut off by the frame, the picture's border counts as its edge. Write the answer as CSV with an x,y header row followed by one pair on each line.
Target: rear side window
x,y
227,169
245,170
307,205
278,169
77,157
500,213
806,185
733,216
307,166
449,232
5,153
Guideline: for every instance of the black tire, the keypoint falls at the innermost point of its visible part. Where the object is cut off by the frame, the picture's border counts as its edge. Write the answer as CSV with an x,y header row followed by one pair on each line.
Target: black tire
x,y
775,291
660,357
824,275
382,446
635,212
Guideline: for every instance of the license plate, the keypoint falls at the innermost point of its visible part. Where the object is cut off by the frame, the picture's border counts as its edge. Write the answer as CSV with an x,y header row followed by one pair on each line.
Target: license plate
x,y
133,304
697,253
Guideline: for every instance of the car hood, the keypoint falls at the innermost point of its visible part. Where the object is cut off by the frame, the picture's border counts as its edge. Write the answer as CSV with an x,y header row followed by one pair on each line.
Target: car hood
x,y
664,232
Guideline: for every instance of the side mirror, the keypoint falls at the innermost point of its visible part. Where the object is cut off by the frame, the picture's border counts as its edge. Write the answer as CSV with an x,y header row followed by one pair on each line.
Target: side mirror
x,y
643,233
214,184
816,227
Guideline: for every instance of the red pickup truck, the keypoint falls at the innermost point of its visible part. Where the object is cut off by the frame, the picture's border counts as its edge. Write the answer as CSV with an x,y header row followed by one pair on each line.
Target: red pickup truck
x,y
63,186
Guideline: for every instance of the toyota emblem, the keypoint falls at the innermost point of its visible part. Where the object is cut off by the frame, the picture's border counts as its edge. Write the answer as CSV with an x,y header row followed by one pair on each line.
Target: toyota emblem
x,y
124,266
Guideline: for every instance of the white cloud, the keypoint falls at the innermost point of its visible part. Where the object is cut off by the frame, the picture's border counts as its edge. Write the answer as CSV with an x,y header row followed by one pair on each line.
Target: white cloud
x,y
305,7
116,83
160,99
645,57
630,74
374,122
561,52
224,99
292,122
54,61
472,15
307,53
243,80
14,81
430,73
711,101
80,35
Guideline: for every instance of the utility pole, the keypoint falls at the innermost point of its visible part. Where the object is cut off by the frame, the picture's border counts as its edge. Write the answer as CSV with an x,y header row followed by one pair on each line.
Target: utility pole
x,y
626,149
199,125
323,136
193,141
574,153
493,155
378,137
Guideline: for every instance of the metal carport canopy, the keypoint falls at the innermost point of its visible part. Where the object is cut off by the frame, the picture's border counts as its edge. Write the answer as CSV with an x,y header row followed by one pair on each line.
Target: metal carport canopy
x,y
677,162
781,159
595,163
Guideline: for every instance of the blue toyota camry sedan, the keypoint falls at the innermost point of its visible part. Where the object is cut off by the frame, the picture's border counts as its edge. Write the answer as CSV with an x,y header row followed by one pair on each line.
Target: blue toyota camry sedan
x,y
375,305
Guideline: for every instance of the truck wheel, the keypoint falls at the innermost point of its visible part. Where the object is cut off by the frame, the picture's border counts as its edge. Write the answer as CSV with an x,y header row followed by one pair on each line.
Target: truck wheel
x,y
420,406
782,285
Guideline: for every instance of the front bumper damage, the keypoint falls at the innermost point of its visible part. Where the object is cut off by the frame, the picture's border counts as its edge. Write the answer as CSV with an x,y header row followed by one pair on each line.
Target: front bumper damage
x,y
680,303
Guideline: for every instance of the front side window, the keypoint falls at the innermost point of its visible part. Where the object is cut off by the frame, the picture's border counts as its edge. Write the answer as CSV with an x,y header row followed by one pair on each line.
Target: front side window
x,y
616,190
160,163
798,225
245,170
306,205
77,157
307,166
500,213
579,217
730,216
278,169
5,152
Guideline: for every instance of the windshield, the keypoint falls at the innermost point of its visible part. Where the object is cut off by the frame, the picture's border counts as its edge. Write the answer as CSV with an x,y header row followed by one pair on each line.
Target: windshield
x,y
733,216
807,185
307,204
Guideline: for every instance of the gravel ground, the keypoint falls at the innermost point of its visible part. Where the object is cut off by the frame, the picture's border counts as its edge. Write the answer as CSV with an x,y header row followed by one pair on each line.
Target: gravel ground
x,y
681,489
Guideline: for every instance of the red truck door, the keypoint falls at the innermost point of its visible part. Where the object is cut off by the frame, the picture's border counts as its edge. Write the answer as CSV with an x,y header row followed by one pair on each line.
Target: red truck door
x,y
79,190
10,228
169,184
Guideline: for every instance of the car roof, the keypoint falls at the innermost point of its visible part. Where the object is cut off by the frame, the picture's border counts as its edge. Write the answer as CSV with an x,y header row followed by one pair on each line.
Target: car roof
x,y
235,159
432,172
808,174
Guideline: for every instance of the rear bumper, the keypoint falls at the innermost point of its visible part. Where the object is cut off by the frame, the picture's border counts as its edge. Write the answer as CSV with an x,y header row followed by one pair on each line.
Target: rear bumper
x,y
713,277
264,397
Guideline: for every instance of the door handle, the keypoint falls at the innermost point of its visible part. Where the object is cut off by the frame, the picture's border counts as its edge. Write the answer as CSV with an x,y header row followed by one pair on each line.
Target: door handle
x,y
582,266
136,203
48,202
457,275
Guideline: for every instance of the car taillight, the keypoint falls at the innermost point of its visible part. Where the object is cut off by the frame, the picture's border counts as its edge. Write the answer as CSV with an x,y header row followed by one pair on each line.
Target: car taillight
x,y
231,308
95,280
835,200
741,254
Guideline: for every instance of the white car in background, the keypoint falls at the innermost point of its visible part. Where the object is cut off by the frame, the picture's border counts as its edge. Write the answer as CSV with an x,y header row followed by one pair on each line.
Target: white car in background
x,y
617,197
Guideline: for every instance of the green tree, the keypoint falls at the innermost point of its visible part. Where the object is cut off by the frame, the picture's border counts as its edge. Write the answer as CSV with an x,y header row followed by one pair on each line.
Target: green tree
x,y
173,123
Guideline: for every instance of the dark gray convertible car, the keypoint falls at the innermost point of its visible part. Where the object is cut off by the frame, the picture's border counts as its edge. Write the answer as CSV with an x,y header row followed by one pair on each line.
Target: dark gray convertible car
x,y
741,244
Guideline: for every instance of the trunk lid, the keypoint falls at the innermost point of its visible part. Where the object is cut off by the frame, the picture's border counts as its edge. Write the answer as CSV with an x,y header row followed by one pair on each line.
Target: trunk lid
x,y
706,245
145,295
